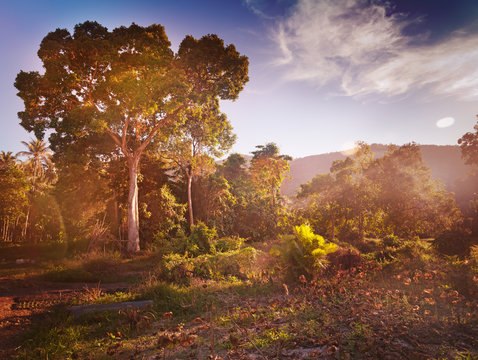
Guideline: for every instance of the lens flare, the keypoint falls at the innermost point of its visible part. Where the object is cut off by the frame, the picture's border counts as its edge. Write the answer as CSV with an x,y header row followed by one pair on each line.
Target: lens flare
x,y
445,122
349,148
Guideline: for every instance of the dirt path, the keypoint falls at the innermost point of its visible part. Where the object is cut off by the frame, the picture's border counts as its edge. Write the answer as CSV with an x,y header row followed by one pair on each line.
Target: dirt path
x,y
22,299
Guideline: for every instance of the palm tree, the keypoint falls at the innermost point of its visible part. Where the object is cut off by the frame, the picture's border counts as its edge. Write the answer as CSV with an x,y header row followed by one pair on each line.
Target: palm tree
x,y
39,165
7,159
39,169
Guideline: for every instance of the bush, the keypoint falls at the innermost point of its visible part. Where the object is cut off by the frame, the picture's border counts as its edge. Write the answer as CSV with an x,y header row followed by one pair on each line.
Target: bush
x,y
202,240
474,254
453,242
348,234
177,268
306,251
229,243
391,241
232,263
345,259
180,269
173,243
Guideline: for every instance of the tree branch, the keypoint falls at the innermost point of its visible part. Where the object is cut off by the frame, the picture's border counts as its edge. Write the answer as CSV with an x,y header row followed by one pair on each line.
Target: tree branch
x,y
153,132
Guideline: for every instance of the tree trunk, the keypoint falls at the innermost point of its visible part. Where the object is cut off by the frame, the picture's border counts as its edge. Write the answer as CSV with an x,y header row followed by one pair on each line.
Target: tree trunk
x,y
361,226
24,232
190,199
117,223
332,220
4,231
133,213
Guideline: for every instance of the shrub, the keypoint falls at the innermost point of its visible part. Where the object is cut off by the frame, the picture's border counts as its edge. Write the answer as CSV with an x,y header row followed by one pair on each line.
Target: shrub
x,y
202,240
391,241
453,242
474,254
232,263
177,268
345,259
175,242
229,243
306,251
348,234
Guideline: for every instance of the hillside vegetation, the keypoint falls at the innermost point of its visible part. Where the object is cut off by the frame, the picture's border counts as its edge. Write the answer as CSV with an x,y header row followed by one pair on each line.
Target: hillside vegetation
x,y
445,163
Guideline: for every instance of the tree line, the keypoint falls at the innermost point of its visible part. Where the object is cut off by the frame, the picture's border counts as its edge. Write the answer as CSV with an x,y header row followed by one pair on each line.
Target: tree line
x,y
135,134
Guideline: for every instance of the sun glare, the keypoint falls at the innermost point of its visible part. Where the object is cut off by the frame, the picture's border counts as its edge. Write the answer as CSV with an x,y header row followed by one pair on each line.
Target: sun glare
x,y
445,122
349,148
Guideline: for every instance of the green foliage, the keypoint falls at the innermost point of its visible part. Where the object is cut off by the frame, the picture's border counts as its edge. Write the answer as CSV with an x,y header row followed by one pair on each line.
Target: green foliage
x,y
391,241
46,220
161,216
469,146
268,169
235,263
13,199
201,240
363,196
116,93
177,268
214,203
474,254
272,337
229,243
306,251
181,268
206,133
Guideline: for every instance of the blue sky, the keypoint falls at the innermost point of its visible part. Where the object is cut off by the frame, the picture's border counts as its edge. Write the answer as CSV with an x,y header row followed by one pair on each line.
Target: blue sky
x,y
323,73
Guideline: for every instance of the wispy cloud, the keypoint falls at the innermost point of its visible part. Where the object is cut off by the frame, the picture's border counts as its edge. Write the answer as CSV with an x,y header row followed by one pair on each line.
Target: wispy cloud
x,y
255,7
354,45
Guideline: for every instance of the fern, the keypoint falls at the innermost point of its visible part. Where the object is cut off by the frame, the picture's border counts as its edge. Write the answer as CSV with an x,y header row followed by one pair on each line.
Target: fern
x,y
305,250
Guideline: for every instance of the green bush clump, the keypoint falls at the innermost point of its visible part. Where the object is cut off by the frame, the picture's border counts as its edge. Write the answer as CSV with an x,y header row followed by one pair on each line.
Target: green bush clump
x,y
306,251
229,243
474,254
391,241
202,240
181,268
178,268
222,264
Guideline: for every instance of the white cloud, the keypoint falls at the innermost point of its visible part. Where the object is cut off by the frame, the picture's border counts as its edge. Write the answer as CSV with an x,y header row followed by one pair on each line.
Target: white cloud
x,y
357,47
255,7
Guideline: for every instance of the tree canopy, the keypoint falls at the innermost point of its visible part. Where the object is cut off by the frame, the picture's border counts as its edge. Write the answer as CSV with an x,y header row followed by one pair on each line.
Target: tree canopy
x,y
469,146
122,90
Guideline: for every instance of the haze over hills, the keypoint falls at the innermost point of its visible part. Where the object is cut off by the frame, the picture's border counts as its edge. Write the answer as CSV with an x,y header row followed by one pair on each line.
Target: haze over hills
x,y
444,161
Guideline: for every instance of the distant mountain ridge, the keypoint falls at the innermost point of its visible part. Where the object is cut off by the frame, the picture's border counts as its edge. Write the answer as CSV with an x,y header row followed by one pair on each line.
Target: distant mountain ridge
x,y
444,161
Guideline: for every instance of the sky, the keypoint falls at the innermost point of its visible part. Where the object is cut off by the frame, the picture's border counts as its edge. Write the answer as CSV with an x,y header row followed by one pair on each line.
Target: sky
x,y
323,73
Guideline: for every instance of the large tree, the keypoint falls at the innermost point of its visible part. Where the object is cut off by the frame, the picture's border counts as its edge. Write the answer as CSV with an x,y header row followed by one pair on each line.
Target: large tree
x,y
268,169
469,152
125,86
205,135
469,146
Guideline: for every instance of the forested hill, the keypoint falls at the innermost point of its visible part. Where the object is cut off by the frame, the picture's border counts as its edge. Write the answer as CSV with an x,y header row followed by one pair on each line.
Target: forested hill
x,y
445,163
